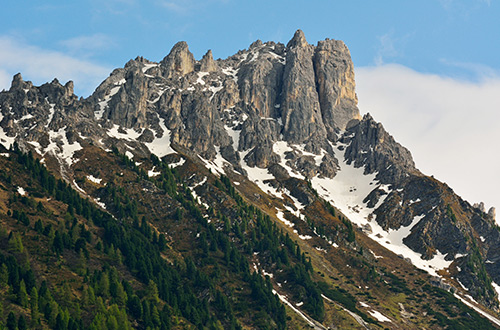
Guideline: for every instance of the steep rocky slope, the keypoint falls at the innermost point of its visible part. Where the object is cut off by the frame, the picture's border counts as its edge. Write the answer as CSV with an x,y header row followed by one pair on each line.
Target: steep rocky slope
x,y
282,123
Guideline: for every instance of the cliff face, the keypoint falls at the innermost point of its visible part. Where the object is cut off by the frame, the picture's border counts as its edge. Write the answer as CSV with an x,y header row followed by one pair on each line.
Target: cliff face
x,y
276,114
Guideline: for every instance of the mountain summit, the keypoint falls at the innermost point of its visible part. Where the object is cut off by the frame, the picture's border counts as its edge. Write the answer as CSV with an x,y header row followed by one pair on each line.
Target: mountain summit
x,y
271,136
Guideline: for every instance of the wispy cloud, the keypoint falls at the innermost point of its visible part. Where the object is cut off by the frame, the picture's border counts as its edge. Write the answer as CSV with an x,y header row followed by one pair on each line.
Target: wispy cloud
x,y
389,47
41,65
385,48
448,124
88,45
476,70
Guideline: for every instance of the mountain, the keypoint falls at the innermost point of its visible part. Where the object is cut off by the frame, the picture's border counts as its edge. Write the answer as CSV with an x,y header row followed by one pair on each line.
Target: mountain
x,y
247,192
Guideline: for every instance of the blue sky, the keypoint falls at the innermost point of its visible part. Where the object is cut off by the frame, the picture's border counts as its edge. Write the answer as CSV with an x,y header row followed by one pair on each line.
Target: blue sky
x,y
429,70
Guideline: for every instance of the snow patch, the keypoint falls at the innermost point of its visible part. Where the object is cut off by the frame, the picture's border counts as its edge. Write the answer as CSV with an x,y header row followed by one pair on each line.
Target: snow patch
x,y
179,163
152,173
129,154
129,135
281,216
497,289
349,188
379,316
216,165
200,78
60,146
161,146
148,66
94,179
21,191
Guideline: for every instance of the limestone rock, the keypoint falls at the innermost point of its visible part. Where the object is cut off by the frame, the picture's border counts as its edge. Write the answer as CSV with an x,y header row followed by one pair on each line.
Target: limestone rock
x,y
492,213
301,113
180,61
207,63
336,87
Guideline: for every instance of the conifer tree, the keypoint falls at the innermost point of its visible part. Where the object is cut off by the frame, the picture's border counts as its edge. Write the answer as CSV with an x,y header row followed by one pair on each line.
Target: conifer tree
x,y
22,295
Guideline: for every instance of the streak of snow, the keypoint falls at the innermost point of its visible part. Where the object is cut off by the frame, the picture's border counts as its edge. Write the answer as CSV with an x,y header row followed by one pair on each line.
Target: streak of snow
x,y
379,316
305,237
98,202
214,90
195,195
463,286
216,165
414,201
321,249
497,289
479,310
38,147
78,187
281,216
26,117
179,163
104,103
305,317
376,256
148,66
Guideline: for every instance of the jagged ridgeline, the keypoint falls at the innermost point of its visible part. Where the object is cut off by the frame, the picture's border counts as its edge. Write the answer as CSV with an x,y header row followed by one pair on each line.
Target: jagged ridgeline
x,y
243,193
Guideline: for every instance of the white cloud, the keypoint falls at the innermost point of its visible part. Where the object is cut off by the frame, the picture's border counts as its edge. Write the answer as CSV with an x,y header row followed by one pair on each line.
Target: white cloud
x,y
452,127
88,45
42,65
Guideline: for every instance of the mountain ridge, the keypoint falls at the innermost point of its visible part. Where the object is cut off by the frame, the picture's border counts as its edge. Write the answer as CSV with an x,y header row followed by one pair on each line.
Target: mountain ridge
x,y
276,115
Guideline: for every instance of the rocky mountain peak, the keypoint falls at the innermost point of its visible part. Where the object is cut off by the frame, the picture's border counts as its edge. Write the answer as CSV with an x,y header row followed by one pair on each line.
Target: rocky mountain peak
x,y
179,61
298,40
207,63
19,83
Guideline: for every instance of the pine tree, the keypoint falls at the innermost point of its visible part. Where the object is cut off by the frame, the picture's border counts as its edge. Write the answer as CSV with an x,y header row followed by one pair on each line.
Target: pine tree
x,y
34,307
152,292
22,295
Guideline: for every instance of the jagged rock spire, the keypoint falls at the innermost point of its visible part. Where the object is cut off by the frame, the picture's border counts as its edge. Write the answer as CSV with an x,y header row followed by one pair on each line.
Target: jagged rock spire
x,y
298,40
207,62
179,61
